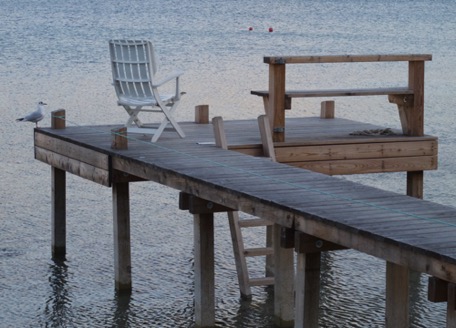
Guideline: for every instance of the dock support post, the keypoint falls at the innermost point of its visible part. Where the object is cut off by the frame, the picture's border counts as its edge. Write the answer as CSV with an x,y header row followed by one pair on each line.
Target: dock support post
x,y
307,284
283,281
58,181
204,270
451,306
397,296
122,249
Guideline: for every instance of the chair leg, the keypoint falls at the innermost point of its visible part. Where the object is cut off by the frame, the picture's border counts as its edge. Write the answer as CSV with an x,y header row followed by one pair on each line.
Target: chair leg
x,y
168,119
133,116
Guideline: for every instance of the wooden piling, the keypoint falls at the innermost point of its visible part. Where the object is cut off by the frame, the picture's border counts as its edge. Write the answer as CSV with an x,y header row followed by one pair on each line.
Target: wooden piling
x,y
327,109
204,270
122,248
58,198
119,138
451,306
202,114
283,281
397,296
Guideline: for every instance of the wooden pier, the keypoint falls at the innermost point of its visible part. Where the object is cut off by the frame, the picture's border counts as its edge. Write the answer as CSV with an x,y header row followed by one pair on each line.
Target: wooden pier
x,y
317,211
311,212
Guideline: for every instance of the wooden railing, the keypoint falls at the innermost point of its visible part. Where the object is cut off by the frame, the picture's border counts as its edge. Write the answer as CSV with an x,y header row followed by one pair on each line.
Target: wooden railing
x,y
409,99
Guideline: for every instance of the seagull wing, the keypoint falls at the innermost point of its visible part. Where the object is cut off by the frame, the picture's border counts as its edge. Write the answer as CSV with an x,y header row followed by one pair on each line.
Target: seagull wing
x,y
34,116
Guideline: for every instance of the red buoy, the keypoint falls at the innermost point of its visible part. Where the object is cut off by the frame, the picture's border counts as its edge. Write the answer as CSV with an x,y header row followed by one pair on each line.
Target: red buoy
x,y
270,29
250,28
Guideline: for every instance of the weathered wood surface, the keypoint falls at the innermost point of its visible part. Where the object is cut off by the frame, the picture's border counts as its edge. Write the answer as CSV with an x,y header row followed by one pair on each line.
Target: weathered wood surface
x,y
399,229
338,92
345,58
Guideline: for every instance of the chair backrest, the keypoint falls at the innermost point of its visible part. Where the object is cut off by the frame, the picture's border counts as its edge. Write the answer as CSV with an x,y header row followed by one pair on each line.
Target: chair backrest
x,y
133,67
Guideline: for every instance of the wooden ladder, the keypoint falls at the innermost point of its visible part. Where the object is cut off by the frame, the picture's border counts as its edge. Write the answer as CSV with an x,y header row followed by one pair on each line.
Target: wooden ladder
x,y
236,224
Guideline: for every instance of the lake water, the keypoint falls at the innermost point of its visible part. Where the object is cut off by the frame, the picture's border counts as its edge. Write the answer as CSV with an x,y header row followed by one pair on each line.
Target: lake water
x,y
56,51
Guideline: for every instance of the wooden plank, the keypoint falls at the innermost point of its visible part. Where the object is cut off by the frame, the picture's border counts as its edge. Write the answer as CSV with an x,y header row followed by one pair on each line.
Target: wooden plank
x,y
73,151
338,92
73,166
345,58
355,151
276,109
362,166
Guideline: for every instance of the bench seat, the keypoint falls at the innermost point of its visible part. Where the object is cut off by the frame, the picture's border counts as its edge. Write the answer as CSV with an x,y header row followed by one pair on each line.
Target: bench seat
x,y
338,92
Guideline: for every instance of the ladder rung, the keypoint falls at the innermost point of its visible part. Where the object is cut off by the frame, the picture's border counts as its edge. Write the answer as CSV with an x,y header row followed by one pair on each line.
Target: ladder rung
x,y
247,223
266,281
261,251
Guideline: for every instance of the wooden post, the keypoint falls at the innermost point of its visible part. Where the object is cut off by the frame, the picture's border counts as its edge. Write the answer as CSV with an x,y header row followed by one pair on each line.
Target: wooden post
x,y
58,119
397,296
307,296
122,248
58,244
276,109
283,281
204,270
58,182
327,109
451,306
266,137
119,138
202,114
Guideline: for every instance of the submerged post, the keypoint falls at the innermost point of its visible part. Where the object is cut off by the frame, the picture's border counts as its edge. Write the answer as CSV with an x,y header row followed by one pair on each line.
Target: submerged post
x,y
58,182
204,270
283,280
122,249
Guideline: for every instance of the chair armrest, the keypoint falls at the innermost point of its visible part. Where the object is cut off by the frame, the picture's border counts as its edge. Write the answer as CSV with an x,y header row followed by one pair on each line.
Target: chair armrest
x,y
172,76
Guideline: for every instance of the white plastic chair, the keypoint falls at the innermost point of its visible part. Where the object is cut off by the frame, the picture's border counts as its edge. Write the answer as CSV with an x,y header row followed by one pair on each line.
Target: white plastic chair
x,y
134,69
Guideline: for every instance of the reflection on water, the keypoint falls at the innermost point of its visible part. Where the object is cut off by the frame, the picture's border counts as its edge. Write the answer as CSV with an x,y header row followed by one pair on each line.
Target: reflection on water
x,y
58,310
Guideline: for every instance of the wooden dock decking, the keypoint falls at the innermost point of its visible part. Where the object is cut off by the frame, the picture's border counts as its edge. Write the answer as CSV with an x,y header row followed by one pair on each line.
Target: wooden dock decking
x,y
408,233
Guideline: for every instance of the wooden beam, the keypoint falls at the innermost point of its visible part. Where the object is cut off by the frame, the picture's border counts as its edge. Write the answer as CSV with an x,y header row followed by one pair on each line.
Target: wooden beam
x,y
266,137
437,290
276,110
219,132
122,248
451,306
305,243
362,166
58,183
72,151
283,281
307,295
202,114
119,138
204,270
345,58
74,166
397,296
327,109
196,205
58,119
239,252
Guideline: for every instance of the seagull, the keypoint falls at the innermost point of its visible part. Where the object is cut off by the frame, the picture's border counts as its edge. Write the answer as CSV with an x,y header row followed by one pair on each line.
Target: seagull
x,y
35,116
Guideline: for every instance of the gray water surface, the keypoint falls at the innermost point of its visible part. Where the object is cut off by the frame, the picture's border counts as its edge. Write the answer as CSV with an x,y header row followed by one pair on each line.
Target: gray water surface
x,y
56,51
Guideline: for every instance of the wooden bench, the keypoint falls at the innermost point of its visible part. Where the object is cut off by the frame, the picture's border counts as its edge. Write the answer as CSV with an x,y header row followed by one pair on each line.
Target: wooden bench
x,y
410,99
